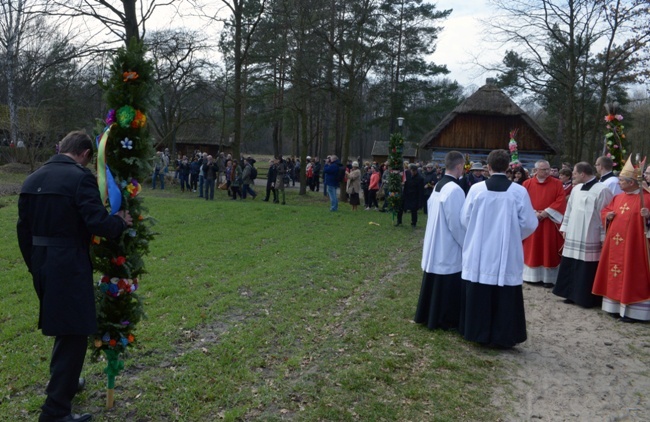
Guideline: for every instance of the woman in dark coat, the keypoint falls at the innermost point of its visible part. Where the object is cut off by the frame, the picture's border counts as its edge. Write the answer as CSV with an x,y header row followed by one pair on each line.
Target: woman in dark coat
x,y
412,195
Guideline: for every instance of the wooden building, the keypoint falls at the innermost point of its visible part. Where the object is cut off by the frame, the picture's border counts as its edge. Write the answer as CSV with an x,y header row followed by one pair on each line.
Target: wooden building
x,y
380,152
204,136
482,123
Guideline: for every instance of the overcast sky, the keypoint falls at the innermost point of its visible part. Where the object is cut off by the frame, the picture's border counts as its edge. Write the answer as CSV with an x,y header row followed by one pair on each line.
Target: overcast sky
x,y
461,40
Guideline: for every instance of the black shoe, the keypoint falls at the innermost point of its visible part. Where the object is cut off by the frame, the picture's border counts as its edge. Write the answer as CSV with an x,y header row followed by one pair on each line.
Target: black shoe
x,y
70,418
568,301
613,315
265,200
548,285
82,385
628,320
284,203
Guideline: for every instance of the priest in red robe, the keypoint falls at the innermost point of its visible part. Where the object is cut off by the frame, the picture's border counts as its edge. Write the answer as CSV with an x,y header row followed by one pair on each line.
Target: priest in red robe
x,y
623,274
542,249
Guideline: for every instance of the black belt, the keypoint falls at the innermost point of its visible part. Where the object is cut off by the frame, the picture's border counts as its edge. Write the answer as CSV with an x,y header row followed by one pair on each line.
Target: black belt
x,y
59,242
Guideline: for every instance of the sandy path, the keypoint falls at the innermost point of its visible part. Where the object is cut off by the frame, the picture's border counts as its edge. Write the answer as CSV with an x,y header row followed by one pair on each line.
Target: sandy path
x,y
577,365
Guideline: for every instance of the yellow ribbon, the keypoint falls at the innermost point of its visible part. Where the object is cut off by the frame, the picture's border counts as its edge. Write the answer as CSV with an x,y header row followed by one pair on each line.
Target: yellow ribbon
x,y
101,166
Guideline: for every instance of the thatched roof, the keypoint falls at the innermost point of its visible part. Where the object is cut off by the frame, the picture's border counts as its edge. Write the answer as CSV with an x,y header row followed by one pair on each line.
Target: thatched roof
x,y
380,149
483,122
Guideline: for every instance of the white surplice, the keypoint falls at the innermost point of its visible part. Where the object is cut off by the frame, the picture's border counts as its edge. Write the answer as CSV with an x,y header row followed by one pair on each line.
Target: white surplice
x,y
612,185
582,225
443,240
496,224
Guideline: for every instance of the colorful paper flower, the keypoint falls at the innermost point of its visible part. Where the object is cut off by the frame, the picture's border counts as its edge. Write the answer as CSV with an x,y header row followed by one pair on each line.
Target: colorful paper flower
x,y
125,116
98,343
139,120
127,143
119,261
106,337
133,188
130,76
131,338
110,117
112,342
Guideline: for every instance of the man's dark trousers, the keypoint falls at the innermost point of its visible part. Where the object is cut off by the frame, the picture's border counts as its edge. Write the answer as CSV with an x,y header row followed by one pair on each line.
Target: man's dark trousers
x,y
65,368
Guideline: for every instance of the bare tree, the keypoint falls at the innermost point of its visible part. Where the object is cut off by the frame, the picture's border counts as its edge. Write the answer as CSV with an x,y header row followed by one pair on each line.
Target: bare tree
x,y
557,56
124,18
17,23
179,66
241,23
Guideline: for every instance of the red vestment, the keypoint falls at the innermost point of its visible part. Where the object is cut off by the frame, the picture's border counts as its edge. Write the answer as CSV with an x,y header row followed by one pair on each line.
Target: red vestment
x,y
623,273
542,248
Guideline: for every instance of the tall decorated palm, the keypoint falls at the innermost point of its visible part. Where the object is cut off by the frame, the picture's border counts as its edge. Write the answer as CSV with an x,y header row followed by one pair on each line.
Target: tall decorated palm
x,y
395,164
615,142
124,148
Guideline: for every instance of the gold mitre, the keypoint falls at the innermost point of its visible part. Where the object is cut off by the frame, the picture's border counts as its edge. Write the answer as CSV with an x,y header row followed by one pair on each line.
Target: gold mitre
x,y
629,171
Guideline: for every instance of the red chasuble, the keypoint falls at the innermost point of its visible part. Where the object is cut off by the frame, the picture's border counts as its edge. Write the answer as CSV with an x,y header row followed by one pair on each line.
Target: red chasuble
x,y
623,273
542,248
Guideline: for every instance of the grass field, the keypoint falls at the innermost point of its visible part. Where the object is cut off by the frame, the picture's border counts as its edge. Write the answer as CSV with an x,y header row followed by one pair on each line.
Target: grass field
x,y
258,311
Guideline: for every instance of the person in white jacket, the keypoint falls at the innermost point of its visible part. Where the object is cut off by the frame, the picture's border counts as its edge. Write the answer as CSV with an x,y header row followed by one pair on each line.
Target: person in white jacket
x,y
498,216
440,302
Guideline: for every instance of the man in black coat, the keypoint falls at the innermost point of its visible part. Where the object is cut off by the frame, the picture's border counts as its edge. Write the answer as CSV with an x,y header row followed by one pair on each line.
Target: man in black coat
x,y
412,195
271,177
58,210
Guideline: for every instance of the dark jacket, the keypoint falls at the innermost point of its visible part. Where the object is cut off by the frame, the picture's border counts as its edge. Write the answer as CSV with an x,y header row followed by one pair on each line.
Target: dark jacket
x,y
271,175
331,173
195,168
430,178
210,171
58,210
468,180
184,169
413,193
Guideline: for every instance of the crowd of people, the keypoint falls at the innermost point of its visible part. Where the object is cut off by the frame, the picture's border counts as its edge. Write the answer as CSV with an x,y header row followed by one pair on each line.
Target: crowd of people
x,y
587,241
202,173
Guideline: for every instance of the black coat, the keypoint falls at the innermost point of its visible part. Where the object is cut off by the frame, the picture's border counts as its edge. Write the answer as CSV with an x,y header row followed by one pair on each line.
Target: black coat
x,y
58,210
413,193
431,178
271,176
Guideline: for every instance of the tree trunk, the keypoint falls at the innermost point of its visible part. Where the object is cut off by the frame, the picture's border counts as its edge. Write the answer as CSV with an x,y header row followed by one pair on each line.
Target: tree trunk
x,y
237,80
130,21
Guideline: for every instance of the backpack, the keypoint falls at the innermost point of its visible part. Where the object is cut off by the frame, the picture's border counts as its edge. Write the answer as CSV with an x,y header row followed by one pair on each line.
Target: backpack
x,y
253,172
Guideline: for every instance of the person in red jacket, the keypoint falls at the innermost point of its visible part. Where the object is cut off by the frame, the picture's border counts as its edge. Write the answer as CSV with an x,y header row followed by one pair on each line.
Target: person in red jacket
x,y
373,188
